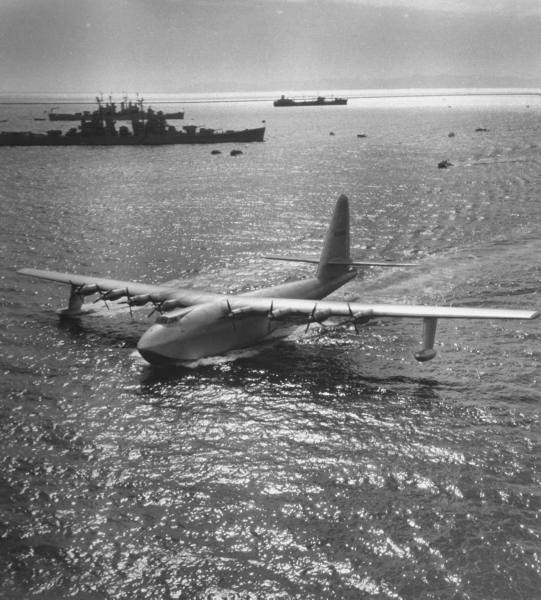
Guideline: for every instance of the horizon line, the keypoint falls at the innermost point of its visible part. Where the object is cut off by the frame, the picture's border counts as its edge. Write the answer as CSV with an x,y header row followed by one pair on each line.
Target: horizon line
x,y
219,97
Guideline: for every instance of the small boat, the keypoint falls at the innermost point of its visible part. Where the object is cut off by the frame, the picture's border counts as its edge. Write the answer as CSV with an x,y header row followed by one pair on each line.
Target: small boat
x,y
319,101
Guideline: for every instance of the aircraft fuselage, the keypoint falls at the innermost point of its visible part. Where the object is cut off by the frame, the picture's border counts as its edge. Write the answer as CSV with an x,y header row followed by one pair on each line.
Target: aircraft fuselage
x,y
212,328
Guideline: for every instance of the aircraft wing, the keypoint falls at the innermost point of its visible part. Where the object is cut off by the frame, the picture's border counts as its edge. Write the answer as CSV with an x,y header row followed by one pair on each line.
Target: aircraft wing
x,y
136,294
278,308
167,298
317,311
324,309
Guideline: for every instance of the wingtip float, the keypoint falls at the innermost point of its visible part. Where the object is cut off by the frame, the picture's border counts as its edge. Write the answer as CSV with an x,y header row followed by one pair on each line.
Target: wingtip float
x,y
194,324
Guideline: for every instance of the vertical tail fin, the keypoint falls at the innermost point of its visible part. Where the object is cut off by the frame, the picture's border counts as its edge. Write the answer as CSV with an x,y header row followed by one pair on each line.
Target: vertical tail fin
x,y
336,245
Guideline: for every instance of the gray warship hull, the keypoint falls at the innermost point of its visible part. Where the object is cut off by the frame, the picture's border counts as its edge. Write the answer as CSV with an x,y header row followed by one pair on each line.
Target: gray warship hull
x,y
24,138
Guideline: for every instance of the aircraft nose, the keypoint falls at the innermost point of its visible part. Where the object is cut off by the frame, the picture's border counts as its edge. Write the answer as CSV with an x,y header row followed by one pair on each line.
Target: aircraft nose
x,y
152,345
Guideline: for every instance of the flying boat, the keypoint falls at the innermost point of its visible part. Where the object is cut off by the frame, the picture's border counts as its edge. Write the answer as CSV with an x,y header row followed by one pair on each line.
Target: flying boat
x,y
193,323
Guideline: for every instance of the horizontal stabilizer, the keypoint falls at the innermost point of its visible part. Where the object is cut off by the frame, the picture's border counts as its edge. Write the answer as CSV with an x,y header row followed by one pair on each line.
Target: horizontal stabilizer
x,y
351,263
386,263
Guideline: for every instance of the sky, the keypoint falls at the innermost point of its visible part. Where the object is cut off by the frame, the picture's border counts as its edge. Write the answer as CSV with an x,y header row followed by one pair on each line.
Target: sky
x,y
212,46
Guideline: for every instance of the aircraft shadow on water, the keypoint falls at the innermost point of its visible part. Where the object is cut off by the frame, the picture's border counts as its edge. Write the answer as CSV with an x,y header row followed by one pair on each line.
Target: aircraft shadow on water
x,y
193,324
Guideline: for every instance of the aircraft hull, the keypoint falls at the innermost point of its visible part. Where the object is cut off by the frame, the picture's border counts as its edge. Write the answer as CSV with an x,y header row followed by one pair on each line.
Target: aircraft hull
x,y
211,329
165,345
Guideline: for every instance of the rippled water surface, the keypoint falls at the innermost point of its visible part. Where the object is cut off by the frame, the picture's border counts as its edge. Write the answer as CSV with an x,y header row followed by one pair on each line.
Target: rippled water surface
x,y
328,465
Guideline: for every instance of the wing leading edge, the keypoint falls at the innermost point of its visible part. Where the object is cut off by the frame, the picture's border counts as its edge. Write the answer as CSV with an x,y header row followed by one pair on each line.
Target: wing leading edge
x,y
337,308
115,288
136,294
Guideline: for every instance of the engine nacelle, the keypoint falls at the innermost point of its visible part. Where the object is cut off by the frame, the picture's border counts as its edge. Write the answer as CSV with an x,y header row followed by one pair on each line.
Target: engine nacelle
x,y
88,289
114,294
139,300
167,305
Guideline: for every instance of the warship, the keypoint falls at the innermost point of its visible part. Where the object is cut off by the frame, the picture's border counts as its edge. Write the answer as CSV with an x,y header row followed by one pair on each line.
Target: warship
x,y
97,129
127,111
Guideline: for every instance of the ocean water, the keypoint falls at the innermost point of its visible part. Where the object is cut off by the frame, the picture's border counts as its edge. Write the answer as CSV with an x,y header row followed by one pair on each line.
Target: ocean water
x,y
329,465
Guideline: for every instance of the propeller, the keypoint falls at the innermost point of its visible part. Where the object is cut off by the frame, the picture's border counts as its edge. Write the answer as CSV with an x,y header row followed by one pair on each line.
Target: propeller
x,y
358,317
270,316
164,305
233,313
311,318
157,307
353,320
102,296
230,314
129,303
280,313
317,317
113,294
